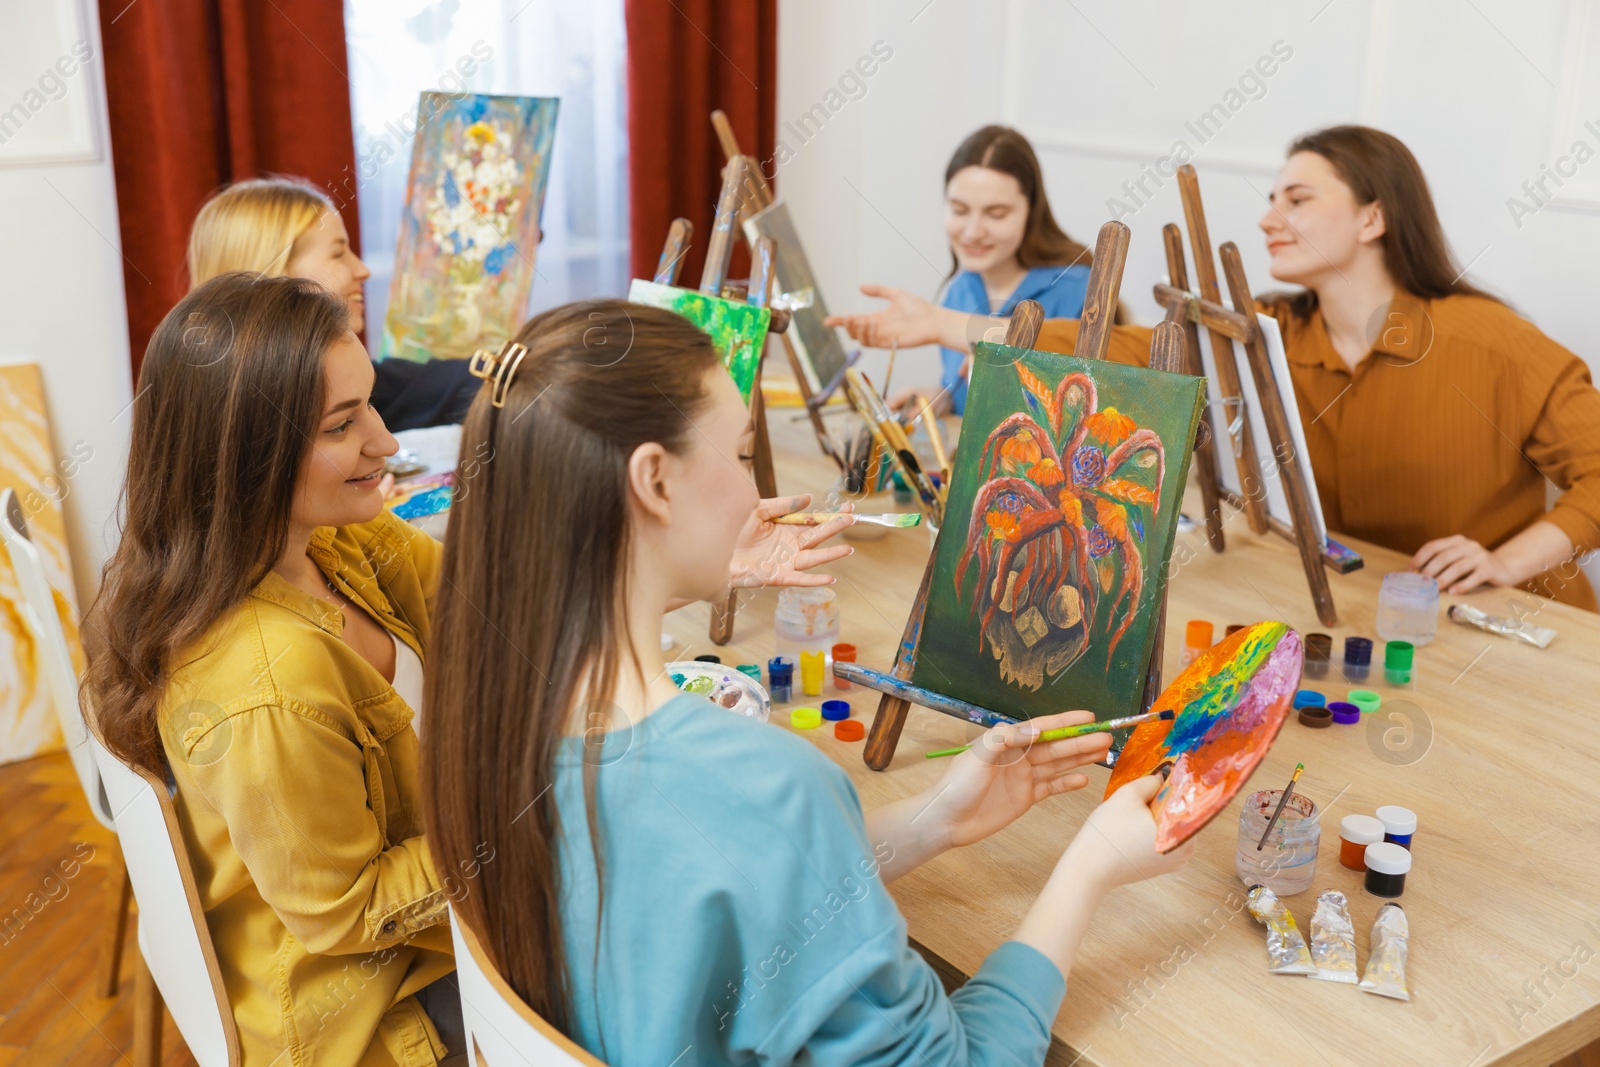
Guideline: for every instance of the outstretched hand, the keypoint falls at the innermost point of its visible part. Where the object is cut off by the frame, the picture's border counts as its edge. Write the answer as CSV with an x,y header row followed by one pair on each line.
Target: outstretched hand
x,y
908,320
769,553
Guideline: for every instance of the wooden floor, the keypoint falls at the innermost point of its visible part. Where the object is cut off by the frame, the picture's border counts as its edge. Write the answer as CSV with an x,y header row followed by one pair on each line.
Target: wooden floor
x,y
51,929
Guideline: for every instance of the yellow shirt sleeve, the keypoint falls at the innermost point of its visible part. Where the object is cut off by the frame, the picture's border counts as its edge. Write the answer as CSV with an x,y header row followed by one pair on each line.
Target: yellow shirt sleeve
x,y
1564,443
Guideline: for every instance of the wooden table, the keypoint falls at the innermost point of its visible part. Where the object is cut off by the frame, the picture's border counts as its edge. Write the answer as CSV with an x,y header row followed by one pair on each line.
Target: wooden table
x,y
1499,765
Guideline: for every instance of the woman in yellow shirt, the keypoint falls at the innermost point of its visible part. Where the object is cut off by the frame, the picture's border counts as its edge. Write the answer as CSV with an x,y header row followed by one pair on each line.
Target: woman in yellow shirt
x,y
1434,414
259,639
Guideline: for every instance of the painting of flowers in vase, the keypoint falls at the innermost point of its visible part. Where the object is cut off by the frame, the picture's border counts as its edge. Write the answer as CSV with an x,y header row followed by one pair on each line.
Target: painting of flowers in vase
x,y
464,264
1058,529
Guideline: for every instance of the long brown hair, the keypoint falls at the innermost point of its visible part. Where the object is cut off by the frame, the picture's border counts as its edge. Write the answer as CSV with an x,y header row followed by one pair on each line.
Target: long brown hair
x,y
228,403
1377,166
531,612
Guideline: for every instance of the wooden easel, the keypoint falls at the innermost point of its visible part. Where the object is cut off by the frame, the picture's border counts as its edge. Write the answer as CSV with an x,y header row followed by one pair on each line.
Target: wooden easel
x,y
757,197
1094,338
1225,326
713,279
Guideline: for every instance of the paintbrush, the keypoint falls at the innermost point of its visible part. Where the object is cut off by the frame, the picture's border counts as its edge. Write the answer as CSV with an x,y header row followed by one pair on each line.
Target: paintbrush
x,y
1061,733
1298,767
892,438
817,518
888,375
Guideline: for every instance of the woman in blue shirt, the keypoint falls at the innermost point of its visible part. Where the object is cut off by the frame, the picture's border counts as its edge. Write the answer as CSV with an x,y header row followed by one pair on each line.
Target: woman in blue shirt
x,y
1004,243
671,882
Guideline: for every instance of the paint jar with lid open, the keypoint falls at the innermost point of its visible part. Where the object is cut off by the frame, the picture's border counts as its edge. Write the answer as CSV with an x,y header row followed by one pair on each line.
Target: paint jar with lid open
x,y
1287,863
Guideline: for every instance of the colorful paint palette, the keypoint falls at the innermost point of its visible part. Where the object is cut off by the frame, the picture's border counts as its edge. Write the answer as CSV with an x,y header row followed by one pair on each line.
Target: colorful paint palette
x,y
1230,704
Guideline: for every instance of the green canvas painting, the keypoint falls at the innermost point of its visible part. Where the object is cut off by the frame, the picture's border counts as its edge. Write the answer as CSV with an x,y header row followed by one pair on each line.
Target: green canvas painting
x,y
738,330
1058,528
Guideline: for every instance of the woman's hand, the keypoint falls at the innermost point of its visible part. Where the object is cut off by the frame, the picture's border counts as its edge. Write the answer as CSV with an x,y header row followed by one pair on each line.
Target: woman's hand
x,y
1006,772
772,554
1117,843
908,320
1461,564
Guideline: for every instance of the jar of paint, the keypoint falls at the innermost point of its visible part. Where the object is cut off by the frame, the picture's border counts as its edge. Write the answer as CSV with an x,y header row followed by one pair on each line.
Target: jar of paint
x,y
843,653
1357,658
1287,863
780,678
1387,867
1397,657
1318,654
1408,607
1197,637
813,664
806,620
1356,832
1399,824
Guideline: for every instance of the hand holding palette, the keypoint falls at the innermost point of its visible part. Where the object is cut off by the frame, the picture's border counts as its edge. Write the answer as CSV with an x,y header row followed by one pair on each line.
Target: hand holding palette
x,y
1230,704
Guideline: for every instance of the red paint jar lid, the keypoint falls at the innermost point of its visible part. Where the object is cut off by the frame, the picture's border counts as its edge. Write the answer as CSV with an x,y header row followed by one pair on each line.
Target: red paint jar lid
x,y
849,730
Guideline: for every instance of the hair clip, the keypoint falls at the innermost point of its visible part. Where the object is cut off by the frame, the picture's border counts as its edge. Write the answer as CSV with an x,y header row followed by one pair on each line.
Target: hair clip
x,y
499,367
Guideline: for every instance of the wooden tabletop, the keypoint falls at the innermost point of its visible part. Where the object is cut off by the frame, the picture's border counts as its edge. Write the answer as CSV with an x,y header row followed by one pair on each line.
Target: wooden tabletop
x,y
1495,753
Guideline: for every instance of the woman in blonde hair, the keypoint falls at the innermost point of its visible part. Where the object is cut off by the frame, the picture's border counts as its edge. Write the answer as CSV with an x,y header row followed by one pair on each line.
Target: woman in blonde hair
x,y
287,226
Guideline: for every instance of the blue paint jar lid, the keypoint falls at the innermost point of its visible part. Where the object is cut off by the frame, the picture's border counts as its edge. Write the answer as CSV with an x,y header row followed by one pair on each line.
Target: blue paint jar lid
x,y
835,710
1401,822
1309,698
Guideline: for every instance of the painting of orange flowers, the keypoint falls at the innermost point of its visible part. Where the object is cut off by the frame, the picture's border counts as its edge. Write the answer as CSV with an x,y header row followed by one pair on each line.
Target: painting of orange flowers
x,y
1058,529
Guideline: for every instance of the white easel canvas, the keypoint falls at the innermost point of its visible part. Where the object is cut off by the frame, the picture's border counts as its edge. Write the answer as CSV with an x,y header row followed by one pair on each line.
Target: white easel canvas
x,y
1228,470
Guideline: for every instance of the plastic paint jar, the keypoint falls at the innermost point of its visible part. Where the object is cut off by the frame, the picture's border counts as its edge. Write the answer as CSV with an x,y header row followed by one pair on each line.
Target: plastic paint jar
x,y
1408,607
843,653
1318,653
1288,862
812,666
806,620
1397,657
1387,866
1357,658
1309,698
1197,637
780,678
1356,832
1345,714
1399,824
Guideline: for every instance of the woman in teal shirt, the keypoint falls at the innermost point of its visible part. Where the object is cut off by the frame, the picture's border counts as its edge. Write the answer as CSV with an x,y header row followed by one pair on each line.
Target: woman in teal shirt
x,y
1005,245
672,882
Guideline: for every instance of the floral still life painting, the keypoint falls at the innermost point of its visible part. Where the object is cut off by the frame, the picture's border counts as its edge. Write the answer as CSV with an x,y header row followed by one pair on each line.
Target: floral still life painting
x,y
464,264
738,330
1058,529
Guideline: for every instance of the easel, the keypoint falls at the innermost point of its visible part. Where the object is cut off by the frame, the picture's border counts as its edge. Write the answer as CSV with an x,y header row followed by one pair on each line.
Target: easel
x,y
1094,338
757,196
1225,326
713,278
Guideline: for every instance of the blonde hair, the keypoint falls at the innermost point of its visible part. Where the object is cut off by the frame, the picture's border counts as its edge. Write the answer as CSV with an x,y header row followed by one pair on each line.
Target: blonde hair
x,y
253,226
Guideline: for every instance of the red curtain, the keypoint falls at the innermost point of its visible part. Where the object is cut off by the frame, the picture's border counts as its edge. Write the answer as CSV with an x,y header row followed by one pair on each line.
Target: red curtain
x,y
685,59
205,92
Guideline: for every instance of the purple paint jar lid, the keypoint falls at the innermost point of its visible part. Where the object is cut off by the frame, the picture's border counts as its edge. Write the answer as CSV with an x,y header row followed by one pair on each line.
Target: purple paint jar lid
x,y
1358,651
835,710
1344,713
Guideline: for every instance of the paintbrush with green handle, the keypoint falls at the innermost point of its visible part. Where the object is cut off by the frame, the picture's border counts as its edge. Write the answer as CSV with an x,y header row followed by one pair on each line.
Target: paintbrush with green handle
x,y
817,518
1061,733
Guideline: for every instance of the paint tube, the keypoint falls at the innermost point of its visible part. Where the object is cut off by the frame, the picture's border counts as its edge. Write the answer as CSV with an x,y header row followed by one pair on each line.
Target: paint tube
x,y
1333,939
1505,626
1386,966
1286,946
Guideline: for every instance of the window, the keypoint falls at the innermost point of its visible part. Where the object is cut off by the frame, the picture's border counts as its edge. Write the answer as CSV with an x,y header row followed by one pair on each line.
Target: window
x,y
573,49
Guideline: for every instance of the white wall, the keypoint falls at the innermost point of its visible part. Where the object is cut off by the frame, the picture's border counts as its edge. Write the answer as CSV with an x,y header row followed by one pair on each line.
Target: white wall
x,y
61,296
1483,93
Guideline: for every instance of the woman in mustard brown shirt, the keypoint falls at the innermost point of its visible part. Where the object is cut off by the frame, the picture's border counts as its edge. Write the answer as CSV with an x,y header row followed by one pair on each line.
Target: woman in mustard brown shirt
x,y
259,640
1434,414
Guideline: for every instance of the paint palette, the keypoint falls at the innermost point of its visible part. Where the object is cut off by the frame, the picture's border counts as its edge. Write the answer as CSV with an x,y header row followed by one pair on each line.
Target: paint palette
x,y
723,686
1229,705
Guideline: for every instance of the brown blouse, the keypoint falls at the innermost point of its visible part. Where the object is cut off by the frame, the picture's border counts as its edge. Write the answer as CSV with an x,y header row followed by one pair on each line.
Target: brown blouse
x,y
1452,425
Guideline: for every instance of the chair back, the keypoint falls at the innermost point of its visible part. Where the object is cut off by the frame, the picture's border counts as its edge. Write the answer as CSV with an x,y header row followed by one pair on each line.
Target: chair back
x,y
173,936
38,610
502,1031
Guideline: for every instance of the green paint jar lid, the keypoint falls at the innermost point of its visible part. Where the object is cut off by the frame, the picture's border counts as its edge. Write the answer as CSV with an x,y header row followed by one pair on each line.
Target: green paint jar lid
x,y
805,718
1397,655
1365,699
751,669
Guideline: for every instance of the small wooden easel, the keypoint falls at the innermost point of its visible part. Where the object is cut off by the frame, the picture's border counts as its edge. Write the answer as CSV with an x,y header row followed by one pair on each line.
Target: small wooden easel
x,y
1094,338
1225,326
712,281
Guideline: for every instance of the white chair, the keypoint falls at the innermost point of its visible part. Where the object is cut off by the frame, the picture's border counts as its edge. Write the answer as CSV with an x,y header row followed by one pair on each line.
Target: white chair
x,y
502,1031
38,611
177,963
